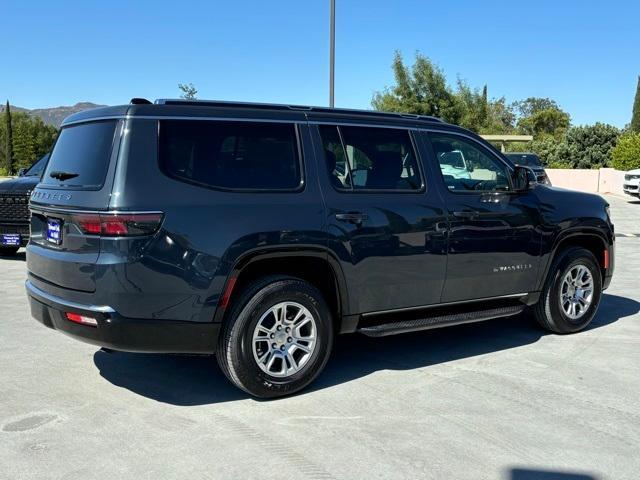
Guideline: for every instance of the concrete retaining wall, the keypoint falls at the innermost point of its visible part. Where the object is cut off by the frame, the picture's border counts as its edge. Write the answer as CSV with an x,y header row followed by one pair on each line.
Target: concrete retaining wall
x,y
603,180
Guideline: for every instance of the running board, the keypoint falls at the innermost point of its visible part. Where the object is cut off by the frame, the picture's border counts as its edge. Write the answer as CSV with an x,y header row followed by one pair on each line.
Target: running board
x,y
437,321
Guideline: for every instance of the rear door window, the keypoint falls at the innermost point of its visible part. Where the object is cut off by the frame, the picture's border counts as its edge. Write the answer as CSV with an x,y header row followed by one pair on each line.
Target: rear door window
x,y
80,157
363,158
231,155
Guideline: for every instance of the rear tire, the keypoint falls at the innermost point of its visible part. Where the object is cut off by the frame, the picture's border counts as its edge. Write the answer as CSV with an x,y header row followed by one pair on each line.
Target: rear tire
x,y
572,292
277,337
8,251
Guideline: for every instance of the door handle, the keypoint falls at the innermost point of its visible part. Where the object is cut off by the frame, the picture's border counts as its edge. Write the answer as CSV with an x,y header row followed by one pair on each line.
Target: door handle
x,y
352,217
466,214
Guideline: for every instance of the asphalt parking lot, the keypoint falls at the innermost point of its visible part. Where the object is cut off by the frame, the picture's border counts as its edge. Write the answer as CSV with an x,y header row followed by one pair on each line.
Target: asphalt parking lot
x,y
494,400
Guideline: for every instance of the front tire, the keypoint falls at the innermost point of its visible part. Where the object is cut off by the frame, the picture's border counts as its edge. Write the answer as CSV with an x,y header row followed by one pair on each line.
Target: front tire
x,y
277,338
572,292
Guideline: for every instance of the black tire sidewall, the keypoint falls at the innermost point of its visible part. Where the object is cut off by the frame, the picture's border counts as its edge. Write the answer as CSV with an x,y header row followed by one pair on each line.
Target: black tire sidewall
x,y
248,374
559,320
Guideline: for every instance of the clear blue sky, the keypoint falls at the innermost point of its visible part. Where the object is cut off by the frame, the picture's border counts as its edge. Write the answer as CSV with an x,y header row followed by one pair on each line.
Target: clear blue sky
x,y
583,54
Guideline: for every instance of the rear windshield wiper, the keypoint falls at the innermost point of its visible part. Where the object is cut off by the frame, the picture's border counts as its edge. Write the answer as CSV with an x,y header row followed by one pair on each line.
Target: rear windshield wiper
x,y
62,176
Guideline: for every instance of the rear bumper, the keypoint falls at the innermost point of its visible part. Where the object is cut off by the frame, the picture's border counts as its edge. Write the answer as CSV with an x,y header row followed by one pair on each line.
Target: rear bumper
x,y
119,333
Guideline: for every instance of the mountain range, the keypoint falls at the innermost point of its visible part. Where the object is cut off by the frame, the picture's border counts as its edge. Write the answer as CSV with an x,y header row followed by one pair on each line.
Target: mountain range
x,y
55,115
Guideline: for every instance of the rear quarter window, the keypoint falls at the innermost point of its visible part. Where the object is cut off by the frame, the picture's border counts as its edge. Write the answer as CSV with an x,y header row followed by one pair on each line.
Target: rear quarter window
x,y
80,157
231,155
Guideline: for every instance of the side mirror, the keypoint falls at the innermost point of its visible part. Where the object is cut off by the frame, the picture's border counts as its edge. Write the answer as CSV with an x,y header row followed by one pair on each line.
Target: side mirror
x,y
523,178
21,172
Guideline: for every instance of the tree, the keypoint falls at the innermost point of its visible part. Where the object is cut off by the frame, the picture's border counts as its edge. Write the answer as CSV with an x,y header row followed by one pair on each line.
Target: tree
x,y
635,118
553,153
31,138
540,117
421,89
473,107
592,144
626,154
532,105
551,121
189,91
484,103
500,117
8,151
588,146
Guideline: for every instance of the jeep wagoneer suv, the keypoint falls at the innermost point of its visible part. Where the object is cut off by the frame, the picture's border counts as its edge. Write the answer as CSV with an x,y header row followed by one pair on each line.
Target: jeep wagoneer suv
x,y
259,232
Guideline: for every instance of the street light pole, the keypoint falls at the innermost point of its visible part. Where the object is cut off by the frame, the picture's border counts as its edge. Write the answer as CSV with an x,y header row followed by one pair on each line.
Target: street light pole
x,y
332,51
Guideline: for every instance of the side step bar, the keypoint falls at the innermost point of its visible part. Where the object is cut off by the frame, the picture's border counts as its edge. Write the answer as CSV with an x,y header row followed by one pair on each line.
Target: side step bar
x,y
436,321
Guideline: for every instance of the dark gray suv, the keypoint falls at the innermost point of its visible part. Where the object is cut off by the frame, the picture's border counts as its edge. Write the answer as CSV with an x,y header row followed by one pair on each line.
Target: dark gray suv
x,y
258,232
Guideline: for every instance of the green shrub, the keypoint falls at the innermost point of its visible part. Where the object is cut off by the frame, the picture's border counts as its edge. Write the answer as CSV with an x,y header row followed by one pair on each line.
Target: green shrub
x,y
587,146
590,146
626,154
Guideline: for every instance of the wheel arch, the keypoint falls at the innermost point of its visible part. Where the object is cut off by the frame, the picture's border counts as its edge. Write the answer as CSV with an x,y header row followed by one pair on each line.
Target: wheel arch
x,y
591,239
315,265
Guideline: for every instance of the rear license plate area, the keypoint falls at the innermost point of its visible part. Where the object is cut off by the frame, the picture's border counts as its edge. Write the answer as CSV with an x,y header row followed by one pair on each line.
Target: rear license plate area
x,y
54,231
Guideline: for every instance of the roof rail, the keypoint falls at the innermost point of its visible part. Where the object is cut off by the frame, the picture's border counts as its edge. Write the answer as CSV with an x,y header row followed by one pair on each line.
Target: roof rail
x,y
139,101
276,106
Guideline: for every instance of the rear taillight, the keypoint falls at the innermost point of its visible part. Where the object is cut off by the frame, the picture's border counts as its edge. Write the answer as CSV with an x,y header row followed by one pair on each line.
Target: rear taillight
x,y
81,319
118,225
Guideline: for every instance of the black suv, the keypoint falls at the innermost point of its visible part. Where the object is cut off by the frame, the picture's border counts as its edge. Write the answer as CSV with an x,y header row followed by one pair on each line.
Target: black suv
x,y
532,161
14,207
258,232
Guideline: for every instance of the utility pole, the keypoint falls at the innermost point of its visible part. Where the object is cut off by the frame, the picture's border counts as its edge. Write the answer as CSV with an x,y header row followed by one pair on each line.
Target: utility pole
x,y
332,52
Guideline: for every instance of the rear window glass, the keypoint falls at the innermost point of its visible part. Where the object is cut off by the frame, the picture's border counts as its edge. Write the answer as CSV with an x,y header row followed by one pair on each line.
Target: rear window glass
x,y
231,155
80,157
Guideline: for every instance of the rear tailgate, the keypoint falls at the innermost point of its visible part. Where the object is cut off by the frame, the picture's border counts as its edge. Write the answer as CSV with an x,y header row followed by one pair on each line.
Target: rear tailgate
x,y
78,179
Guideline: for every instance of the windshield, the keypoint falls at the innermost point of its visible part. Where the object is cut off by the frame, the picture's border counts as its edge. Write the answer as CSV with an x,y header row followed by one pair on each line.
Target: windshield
x,y
37,168
80,157
525,159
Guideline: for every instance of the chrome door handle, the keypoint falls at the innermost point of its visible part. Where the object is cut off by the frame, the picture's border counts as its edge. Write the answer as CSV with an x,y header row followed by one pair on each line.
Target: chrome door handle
x,y
466,214
352,217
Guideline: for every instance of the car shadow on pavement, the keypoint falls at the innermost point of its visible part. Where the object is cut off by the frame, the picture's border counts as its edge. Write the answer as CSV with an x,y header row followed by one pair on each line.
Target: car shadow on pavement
x,y
196,380
20,256
529,474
